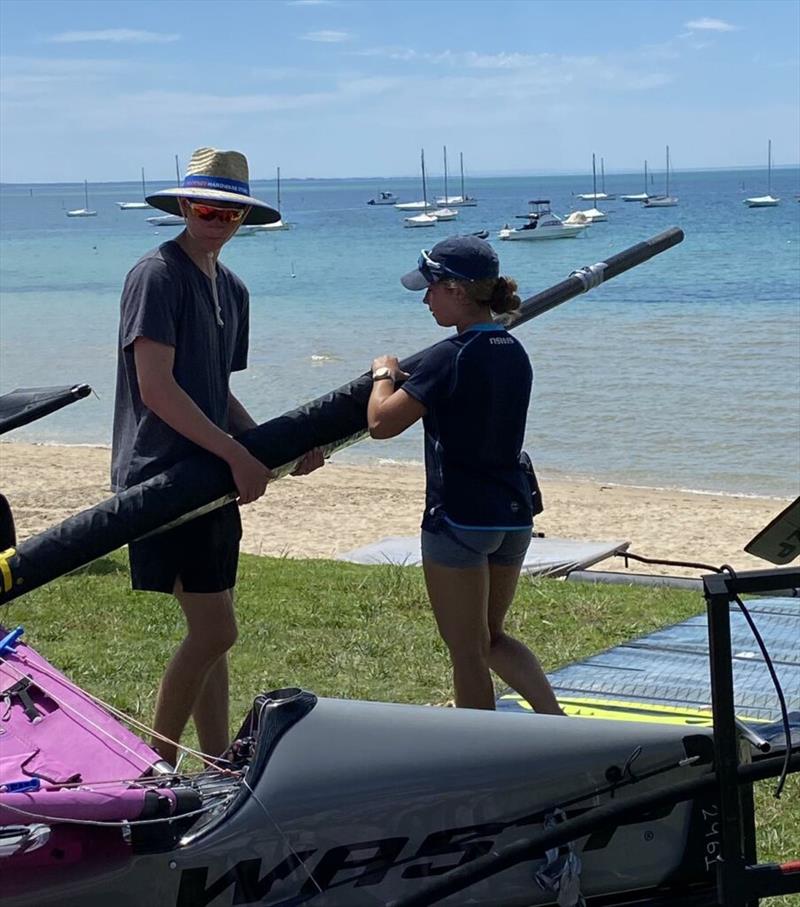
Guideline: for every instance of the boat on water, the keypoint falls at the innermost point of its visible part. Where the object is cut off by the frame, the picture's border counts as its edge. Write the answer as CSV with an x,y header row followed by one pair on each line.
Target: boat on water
x,y
458,201
85,211
592,215
165,220
662,201
543,224
596,196
638,196
384,198
136,206
168,220
276,226
768,200
444,212
426,218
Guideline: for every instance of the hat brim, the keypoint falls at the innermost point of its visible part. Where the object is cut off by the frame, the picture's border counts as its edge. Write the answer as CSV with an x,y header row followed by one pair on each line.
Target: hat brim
x,y
414,280
167,200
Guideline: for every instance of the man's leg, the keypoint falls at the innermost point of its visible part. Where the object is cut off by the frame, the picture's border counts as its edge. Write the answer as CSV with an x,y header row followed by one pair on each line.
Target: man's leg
x,y
196,679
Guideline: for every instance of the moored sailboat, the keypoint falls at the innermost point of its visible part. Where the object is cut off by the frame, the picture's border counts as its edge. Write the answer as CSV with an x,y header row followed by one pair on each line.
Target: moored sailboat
x,y
84,211
423,219
662,201
136,206
768,200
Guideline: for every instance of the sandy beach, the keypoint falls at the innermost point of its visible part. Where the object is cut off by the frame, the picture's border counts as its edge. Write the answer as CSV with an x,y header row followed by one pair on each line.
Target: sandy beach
x,y
343,506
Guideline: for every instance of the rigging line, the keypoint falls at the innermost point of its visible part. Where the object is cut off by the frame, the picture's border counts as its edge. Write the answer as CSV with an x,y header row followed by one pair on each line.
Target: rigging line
x,y
148,783
118,823
283,835
691,565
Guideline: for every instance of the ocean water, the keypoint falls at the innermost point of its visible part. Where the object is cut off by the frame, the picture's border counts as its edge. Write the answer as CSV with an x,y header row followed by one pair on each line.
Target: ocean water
x,y
684,372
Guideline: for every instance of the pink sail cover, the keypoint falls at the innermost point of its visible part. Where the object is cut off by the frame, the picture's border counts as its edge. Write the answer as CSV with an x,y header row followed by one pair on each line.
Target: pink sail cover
x,y
113,805
52,731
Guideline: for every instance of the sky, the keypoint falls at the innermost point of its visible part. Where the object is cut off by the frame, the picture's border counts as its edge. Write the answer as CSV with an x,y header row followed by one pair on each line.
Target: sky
x,y
342,88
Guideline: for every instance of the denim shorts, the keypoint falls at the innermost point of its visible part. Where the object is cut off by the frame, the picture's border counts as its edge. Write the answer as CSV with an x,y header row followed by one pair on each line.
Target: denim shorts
x,y
453,547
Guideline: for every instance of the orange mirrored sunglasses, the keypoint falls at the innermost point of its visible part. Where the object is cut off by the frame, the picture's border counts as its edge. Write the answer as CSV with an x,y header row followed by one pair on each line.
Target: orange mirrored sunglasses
x,y
211,212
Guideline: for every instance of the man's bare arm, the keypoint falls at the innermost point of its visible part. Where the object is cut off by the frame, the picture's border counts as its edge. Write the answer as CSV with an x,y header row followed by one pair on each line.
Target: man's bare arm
x,y
164,396
239,419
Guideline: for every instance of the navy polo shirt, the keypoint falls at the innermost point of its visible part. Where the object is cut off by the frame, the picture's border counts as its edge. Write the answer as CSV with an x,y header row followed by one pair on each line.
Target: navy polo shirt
x,y
476,387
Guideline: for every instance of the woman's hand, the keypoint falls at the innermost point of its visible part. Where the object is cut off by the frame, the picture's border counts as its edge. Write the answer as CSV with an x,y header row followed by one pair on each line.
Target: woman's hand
x,y
393,364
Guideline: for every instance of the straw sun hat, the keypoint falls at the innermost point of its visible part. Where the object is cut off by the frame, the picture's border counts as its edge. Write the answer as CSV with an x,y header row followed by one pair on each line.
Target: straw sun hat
x,y
216,176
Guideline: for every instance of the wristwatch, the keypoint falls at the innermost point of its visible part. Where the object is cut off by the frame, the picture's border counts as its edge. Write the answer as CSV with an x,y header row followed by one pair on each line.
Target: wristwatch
x,y
381,373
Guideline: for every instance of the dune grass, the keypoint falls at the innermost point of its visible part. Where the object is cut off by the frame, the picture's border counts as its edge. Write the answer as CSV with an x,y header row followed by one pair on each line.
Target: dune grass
x,y
341,630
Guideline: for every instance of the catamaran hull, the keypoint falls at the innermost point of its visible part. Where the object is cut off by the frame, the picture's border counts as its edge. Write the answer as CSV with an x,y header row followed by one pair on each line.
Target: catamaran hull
x,y
359,803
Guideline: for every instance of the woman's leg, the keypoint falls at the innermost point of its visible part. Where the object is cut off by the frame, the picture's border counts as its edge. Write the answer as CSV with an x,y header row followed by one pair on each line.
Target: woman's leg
x,y
458,596
195,682
508,657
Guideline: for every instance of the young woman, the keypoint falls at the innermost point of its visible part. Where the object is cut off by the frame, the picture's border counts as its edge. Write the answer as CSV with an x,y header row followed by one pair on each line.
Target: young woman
x,y
472,392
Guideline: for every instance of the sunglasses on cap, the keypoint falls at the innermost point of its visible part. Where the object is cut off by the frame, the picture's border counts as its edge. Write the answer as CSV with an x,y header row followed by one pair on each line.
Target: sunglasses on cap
x,y
434,271
211,212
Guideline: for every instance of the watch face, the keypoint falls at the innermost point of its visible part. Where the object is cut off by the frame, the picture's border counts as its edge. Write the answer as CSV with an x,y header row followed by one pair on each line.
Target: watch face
x,y
383,372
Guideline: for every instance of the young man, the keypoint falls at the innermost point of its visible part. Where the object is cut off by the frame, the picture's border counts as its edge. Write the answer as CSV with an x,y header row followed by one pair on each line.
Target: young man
x,y
183,330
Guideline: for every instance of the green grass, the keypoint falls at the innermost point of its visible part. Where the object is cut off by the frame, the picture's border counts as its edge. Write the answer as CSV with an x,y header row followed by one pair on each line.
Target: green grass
x,y
341,630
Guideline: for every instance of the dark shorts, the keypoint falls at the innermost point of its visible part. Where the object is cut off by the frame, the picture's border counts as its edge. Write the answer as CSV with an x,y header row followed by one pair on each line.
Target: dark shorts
x,y
204,553
453,547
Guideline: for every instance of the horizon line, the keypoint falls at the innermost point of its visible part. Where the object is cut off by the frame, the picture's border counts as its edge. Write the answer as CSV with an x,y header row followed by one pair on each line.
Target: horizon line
x,y
478,174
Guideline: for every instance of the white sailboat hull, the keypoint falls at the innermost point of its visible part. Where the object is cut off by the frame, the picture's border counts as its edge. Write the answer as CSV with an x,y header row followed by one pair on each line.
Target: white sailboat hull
x,y
665,201
415,206
81,212
421,220
165,220
444,213
762,201
132,206
636,197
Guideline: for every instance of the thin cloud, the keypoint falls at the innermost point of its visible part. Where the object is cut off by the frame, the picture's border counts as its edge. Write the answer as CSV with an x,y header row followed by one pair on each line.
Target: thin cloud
x,y
326,36
114,36
706,24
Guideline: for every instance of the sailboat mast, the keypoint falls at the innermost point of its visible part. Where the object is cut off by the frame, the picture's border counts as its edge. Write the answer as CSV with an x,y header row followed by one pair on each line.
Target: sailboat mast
x,y
602,176
424,190
594,180
461,158
645,177
769,166
177,170
278,180
667,171
446,196
86,194
144,193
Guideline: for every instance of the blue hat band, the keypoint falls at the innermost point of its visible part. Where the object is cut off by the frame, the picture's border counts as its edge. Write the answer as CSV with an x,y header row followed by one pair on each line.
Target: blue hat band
x,y
221,183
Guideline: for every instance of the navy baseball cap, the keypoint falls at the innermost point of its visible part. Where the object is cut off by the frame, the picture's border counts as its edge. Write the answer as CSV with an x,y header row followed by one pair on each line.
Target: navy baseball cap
x,y
455,258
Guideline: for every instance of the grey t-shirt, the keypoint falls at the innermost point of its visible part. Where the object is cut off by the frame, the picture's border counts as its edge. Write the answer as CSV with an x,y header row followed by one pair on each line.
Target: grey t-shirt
x,y
167,298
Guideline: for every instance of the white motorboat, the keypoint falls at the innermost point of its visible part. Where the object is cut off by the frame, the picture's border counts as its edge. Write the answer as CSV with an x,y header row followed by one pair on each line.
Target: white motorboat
x,y
136,206
458,201
638,196
384,198
662,201
84,211
543,224
426,218
768,200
